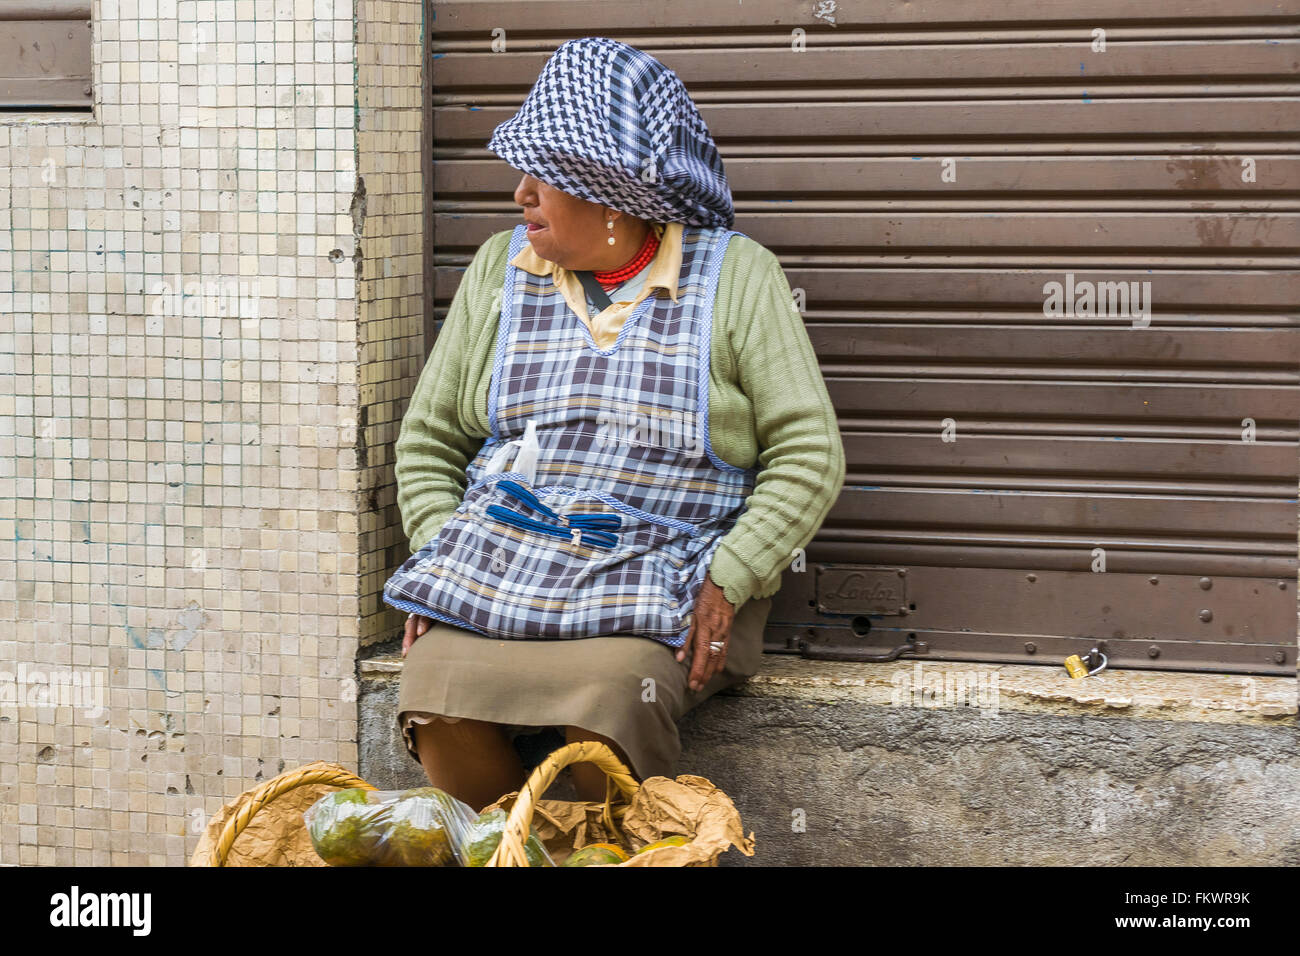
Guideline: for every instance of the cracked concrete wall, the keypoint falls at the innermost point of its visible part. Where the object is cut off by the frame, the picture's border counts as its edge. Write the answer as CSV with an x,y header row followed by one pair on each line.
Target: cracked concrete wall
x,y
887,786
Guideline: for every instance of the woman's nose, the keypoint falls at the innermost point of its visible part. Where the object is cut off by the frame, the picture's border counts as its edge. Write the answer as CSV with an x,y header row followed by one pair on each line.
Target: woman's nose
x,y
526,192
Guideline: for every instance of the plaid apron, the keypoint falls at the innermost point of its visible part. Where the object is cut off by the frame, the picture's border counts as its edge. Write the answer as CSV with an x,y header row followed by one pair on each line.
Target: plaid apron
x,y
595,506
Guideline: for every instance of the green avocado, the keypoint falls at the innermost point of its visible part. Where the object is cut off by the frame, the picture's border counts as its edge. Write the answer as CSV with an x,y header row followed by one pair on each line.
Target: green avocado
x,y
345,828
418,835
595,855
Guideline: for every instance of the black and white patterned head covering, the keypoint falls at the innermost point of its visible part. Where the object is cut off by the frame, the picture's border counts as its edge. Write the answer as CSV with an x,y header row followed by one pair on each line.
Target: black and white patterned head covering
x,y
613,125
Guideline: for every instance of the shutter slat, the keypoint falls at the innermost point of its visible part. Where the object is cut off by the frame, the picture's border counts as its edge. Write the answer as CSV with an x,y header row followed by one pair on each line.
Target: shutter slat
x,y
45,64
45,10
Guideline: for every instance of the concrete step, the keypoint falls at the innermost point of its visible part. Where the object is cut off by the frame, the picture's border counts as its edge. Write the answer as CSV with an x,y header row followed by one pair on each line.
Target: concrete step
x,y
935,763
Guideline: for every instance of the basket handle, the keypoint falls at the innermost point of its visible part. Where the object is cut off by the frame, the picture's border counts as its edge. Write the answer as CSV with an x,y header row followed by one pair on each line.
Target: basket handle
x,y
267,792
510,852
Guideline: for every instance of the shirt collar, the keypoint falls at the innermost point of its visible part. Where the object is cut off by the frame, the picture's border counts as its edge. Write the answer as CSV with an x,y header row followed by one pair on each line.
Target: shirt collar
x,y
665,268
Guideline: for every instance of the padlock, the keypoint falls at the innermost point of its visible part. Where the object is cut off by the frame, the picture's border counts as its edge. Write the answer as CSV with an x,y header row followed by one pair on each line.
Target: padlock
x,y
1075,666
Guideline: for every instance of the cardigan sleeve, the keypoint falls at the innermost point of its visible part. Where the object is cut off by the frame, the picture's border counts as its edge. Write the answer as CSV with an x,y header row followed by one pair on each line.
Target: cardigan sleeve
x,y
801,455
437,441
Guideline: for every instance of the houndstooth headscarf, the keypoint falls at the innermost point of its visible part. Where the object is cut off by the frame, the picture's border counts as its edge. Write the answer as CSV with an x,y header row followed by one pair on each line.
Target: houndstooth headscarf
x,y
613,125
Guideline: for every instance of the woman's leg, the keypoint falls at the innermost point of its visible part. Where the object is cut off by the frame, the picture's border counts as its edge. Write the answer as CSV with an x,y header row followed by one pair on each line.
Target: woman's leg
x,y
473,760
588,779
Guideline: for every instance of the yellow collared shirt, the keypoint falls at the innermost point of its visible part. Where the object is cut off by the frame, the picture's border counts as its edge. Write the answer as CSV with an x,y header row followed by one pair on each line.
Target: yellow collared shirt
x,y
665,268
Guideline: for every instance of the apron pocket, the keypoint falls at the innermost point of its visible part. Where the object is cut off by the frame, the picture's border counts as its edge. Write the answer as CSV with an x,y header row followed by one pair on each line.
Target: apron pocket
x,y
512,562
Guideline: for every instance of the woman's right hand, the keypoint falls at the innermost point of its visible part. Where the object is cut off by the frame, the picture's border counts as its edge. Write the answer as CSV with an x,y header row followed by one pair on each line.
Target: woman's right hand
x,y
415,626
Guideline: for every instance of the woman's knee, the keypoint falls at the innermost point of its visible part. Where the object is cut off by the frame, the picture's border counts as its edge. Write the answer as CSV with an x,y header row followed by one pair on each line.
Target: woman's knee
x,y
473,760
574,734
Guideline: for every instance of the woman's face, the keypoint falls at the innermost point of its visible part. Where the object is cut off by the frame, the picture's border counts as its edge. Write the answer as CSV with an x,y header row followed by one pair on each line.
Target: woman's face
x,y
565,229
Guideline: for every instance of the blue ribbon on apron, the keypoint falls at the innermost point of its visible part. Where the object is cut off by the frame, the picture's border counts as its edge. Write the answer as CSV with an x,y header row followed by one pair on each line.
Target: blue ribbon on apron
x,y
589,528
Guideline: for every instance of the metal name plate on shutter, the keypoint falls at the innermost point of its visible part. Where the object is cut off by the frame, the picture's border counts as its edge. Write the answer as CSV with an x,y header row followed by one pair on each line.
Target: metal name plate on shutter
x,y
45,55
861,590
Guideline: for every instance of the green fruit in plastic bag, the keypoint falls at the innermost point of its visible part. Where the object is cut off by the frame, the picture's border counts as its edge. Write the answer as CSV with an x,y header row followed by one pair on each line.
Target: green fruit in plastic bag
x,y
410,844
484,837
418,834
431,793
345,827
448,807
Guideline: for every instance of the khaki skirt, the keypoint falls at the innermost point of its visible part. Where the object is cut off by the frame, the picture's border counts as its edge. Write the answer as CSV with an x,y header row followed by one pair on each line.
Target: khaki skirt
x,y
629,689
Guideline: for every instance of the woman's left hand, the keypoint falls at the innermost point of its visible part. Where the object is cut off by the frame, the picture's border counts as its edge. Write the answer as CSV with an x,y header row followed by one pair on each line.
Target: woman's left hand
x,y
712,622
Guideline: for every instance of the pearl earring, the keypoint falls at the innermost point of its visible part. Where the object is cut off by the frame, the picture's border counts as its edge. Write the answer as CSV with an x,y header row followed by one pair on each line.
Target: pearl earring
x,y
610,225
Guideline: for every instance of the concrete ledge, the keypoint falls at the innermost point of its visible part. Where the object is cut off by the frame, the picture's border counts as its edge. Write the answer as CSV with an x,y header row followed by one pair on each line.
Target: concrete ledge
x,y
958,763
1023,688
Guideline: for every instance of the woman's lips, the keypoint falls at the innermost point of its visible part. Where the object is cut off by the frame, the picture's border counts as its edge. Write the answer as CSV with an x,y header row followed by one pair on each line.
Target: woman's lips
x,y
534,227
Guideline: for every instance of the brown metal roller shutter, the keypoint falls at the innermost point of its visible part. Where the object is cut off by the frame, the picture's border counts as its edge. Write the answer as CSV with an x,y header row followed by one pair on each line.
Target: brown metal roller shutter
x,y
925,300
45,58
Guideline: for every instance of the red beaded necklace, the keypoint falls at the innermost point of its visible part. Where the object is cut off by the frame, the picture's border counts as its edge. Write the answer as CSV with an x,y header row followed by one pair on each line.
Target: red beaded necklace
x,y
616,277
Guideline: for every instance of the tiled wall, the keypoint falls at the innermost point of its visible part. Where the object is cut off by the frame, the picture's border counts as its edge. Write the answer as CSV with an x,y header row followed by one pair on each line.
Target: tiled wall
x,y
390,337
189,510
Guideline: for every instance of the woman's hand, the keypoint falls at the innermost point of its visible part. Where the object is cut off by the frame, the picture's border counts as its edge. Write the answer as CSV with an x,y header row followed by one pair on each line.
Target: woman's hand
x,y
415,626
712,623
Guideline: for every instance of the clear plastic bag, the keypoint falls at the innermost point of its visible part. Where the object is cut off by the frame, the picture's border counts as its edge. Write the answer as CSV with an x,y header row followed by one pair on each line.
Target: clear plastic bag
x,y
421,827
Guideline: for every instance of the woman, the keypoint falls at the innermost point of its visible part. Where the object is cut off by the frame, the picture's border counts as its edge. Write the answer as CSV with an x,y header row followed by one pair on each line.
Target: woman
x,y
602,484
